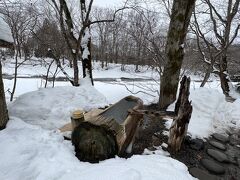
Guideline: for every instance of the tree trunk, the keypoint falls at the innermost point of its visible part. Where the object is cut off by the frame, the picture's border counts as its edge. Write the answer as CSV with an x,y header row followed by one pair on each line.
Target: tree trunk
x,y
3,106
15,77
75,70
183,109
87,60
48,70
86,43
180,18
206,77
104,134
224,75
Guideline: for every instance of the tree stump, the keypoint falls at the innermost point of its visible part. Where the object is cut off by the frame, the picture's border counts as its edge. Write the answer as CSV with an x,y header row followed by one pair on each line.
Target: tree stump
x,y
106,134
183,109
93,143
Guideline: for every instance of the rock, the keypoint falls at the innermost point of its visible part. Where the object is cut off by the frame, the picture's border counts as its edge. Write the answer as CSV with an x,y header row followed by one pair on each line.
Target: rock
x,y
221,137
201,174
238,88
187,139
197,144
217,155
218,145
213,166
234,139
151,148
232,152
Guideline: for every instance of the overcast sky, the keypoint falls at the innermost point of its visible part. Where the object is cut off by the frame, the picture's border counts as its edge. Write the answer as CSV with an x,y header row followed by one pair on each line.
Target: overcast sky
x,y
107,3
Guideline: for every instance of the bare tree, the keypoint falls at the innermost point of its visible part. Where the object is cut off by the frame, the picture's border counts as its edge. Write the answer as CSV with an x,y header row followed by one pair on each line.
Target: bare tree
x,y
21,19
180,18
225,27
80,45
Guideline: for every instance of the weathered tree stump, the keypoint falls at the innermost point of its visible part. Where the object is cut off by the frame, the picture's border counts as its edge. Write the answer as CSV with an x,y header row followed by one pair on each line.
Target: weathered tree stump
x,y
183,110
94,143
108,133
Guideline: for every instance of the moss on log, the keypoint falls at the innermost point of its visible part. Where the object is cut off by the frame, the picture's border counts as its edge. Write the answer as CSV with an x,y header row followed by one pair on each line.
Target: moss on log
x,y
93,143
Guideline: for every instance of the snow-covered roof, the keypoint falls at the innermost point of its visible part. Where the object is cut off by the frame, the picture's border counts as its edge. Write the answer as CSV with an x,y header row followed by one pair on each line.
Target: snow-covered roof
x,y
5,32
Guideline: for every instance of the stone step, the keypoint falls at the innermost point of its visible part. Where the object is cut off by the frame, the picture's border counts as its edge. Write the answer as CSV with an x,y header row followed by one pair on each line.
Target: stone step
x,y
220,137
201,174
218,145
212,166
217,155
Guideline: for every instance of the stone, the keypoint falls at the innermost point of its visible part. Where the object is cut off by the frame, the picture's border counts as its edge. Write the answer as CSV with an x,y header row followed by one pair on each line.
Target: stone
x,y
238,88
218,145
232,152
197,144
187,139
234,139
217,155
201,174
213,166
220,137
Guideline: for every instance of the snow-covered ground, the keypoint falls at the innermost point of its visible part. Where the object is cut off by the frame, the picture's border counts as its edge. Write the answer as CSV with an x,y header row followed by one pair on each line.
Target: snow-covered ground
x,y
32,148
51,108
30,152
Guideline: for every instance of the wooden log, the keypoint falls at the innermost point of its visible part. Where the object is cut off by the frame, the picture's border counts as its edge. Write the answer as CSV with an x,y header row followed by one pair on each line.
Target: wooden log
x,y
93,143
183,109
77,118
110,132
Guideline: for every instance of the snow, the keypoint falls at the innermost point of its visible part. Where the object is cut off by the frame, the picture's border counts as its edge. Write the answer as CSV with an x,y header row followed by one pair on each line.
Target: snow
x,y
51,108
211,113
84,44
32,148
5,32
85,54
158,151
207,102
34,68
30,152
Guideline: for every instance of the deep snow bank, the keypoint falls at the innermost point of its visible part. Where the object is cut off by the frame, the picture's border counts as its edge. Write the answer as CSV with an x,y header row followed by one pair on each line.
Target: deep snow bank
x,y
211,113
51,107
30,152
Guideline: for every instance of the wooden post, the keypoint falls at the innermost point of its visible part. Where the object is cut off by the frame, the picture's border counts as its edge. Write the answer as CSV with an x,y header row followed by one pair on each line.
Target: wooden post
x,y
183,109
77,118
